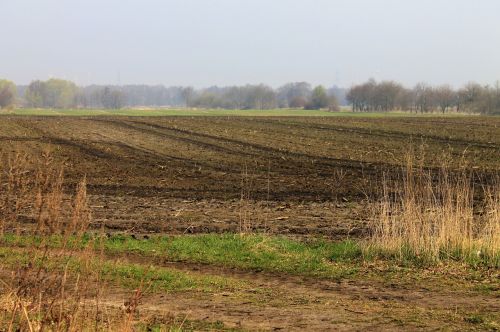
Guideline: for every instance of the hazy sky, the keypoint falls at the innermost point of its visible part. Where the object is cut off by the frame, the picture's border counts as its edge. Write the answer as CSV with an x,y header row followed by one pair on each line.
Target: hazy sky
x,y
207,42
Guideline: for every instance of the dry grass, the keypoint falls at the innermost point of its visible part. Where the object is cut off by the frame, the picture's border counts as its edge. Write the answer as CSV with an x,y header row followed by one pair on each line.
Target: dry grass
x,y
37,298
245,195
14,189
43,293
431,216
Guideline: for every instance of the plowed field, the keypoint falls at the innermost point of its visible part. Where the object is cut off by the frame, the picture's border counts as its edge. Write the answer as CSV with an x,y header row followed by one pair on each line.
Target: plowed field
x,y
205,174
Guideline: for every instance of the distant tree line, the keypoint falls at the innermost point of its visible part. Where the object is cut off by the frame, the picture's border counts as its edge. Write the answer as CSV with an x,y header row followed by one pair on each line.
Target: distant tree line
x,y
54,93
386,96
291,95
57,93
371,96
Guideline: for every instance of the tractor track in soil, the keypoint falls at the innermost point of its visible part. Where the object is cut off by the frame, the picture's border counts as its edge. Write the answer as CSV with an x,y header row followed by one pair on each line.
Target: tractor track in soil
x,y
199,167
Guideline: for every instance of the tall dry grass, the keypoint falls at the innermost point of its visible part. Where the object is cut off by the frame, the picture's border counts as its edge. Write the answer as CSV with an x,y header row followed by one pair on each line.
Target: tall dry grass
x,y
50,287
14,188
245,212
431,215
33,202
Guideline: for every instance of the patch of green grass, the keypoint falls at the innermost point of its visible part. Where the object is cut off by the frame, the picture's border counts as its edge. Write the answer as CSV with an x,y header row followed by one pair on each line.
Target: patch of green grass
x,y
162,279
483,321
253,252
487,288
408,256
250,252
181,324
474,319
125,274
277,254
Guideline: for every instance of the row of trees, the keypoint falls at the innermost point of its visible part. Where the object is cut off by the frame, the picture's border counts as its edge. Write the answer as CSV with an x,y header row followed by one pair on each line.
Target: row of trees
x,y
54,93
291,95
57,93
100,97
389,95
367,97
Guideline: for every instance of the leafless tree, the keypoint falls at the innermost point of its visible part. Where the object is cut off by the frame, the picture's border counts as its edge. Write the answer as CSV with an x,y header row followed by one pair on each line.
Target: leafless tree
x,y
445,97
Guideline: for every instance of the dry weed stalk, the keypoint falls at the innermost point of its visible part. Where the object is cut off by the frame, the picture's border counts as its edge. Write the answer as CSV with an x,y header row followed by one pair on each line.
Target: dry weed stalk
x,y
14,188
490,234
57,286
49,195
244,224
42,293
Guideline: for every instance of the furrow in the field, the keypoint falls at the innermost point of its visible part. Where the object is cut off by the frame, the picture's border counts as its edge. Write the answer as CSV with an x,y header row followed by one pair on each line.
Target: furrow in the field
x,y
190,139
383,133
170,147
275,151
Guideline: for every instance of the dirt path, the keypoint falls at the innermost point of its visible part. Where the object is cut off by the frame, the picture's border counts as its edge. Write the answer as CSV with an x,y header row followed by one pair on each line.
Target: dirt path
x,y
291,303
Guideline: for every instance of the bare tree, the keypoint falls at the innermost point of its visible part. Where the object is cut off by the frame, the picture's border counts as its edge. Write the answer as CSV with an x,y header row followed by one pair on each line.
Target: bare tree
x,y
424,95
445,97
187,95
112,98
293,94
386,94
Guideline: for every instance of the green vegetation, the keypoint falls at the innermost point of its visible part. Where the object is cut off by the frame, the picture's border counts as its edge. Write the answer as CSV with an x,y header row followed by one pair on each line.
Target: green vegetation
x,y
181,324
8,92
123,273
52,93
252,252
163,279
272,253
320,99
255,252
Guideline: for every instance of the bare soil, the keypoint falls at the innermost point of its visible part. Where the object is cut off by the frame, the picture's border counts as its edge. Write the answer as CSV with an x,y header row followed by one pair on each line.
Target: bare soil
x,y
302,176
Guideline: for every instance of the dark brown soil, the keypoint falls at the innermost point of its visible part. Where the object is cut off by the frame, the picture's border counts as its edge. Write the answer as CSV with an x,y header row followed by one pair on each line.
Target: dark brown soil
x,y
303,176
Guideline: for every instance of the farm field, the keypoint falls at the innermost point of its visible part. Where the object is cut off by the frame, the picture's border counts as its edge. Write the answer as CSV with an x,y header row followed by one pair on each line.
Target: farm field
x,y
297,175
172,195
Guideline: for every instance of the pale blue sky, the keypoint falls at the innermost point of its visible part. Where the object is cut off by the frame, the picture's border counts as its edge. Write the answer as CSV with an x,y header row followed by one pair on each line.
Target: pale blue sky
x,y
206,42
